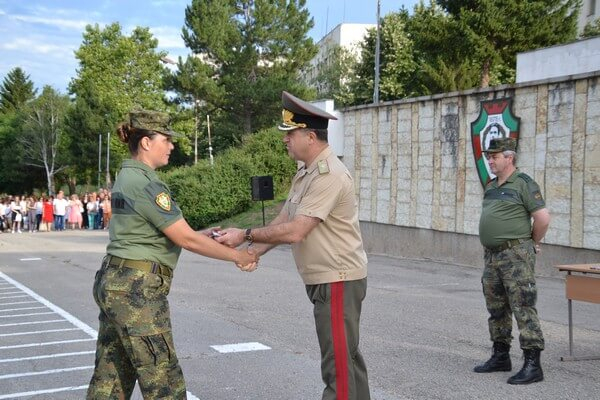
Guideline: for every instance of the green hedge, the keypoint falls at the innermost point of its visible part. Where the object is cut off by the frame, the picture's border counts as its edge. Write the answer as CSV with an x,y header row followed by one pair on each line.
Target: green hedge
x,y
208,194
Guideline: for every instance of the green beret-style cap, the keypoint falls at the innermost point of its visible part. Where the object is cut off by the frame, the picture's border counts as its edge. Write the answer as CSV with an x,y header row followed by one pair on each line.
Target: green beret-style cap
x,y
501,144
152,121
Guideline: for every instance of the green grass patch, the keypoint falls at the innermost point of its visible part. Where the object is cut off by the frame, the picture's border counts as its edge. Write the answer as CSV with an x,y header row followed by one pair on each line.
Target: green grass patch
x,y
253,217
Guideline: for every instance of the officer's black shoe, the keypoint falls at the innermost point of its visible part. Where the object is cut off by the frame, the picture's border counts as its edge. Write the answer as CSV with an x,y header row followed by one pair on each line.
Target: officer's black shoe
x,y
531,371
500,360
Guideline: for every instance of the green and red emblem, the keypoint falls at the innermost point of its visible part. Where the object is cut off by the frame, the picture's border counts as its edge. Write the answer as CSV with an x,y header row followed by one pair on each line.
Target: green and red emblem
x,y
496,120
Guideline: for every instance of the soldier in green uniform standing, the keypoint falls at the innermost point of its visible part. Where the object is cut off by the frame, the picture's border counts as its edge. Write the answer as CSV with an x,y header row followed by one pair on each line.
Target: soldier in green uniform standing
x,y
147,232
320,220
511,242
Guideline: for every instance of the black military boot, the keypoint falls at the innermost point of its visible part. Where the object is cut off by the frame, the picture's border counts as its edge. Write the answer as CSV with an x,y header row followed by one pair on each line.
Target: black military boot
x,y
500,360
531,371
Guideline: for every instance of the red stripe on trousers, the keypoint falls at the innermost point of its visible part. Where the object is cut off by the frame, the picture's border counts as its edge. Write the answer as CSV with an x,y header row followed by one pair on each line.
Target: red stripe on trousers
x,y
338,333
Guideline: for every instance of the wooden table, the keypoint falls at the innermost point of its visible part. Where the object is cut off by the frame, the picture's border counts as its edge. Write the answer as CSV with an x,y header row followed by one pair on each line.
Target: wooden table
x,y
584,285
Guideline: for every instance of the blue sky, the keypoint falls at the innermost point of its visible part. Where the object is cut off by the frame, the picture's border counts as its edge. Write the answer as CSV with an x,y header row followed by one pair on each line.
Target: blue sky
x,y
40,36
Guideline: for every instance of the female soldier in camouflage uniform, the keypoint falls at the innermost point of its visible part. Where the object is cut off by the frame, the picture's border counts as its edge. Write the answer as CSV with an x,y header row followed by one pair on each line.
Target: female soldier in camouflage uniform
x,y
147,232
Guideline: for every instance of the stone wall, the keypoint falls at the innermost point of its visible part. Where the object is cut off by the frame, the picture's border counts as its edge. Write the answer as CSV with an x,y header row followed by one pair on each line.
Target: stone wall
x,y
414,167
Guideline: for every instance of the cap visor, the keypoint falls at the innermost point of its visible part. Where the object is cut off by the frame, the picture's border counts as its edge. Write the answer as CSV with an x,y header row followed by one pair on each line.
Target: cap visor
x,y
285,127
171,133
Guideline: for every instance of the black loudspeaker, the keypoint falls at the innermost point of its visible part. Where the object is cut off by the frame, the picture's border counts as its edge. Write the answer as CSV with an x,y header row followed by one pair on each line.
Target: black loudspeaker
x,y
262,187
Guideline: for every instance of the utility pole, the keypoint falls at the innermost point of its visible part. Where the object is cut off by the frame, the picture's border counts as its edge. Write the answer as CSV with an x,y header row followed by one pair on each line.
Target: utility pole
x,y
376,85
210,149
108,180
196,103
99,157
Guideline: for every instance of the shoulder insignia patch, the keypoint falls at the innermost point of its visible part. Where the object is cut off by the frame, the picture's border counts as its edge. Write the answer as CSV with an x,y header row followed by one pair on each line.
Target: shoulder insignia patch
x,y
323,167
163,200
537,196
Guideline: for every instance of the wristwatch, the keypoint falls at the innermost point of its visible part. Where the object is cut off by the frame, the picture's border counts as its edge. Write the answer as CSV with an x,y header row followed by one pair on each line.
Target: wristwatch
x,y
248,235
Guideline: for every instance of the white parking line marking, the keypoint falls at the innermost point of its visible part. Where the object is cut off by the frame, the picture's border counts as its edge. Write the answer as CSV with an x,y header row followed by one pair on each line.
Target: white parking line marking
x,y
30,259
46,391
239,347
22,308
17,302
19,346
7,360
78,323
46,372
38,332
27,315
17,292
12,297
34,322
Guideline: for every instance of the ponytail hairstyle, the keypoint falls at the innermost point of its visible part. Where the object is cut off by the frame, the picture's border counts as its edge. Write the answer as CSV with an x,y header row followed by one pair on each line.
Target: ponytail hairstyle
x,y
132,136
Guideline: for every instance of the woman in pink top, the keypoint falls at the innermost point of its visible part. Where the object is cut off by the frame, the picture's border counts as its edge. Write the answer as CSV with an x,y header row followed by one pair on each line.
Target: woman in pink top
x,y
75,212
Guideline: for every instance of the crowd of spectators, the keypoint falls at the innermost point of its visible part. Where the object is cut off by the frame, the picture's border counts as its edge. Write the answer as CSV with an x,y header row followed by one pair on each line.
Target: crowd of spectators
x,y
55,213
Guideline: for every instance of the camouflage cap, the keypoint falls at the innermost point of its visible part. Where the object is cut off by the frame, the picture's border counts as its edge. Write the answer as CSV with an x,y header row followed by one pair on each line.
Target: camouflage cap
x,y
152,121
501,144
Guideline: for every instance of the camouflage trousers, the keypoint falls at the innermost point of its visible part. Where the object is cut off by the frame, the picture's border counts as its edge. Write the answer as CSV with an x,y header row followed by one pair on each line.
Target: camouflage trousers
x,y
509,288
134,338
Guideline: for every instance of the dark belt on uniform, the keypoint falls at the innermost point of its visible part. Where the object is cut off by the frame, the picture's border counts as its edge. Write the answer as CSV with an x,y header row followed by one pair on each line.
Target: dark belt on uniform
x,y
142,265
507,245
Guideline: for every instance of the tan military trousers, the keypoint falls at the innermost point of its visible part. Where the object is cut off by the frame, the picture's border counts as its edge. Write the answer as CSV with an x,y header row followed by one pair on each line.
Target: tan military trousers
x,y
134,338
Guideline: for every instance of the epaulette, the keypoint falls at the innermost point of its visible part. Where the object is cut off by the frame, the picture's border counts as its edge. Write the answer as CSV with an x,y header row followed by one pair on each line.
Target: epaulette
x,y
525,177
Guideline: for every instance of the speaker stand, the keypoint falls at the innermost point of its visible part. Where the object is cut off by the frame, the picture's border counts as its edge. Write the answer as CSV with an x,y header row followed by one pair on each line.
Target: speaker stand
x,y
263,211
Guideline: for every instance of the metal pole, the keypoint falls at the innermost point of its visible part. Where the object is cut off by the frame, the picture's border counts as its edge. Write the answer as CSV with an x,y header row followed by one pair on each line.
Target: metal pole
x,y
99,157
210,149
196,131
108,182
376,85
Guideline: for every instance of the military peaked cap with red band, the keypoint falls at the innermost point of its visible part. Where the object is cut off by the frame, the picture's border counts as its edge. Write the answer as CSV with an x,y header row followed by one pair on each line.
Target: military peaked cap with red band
x,y
298,113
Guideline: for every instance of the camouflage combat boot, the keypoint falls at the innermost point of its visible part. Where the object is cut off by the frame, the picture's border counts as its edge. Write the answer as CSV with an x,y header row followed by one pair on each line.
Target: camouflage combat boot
x,y
500,360
531,371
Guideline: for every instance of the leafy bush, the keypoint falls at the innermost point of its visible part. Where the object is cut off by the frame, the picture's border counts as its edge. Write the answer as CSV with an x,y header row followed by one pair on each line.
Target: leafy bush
x,y
208,193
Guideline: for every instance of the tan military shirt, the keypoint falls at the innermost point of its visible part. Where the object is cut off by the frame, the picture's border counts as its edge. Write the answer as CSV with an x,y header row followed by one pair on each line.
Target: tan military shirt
x,y
333,251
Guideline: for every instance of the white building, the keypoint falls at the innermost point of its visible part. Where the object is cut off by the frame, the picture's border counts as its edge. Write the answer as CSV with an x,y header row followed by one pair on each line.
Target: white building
x,y
579,57
589,13
347,36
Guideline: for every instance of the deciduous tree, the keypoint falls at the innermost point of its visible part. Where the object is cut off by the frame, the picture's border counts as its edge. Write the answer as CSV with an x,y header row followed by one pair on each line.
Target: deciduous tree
x,y
43,133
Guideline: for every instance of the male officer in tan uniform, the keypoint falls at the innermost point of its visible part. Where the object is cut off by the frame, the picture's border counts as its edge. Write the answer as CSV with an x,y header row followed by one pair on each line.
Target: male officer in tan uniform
x,y
320,220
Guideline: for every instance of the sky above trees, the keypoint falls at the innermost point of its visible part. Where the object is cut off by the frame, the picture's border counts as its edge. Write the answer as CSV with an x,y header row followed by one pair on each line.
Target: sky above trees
x,y
41,37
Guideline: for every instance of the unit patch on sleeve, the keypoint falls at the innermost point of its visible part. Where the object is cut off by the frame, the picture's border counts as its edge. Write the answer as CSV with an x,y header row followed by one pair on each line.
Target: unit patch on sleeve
x,y
163,200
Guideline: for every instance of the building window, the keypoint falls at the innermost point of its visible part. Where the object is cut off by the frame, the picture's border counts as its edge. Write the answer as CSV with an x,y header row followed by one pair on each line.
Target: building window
x,y
592,9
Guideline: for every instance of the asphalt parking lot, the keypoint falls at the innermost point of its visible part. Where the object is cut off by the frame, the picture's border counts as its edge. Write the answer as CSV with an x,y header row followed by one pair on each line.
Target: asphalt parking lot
x,y
424,327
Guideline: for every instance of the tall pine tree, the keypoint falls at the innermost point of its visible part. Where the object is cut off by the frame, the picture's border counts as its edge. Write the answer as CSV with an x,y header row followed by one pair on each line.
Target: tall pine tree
x,y
15,91
251,51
